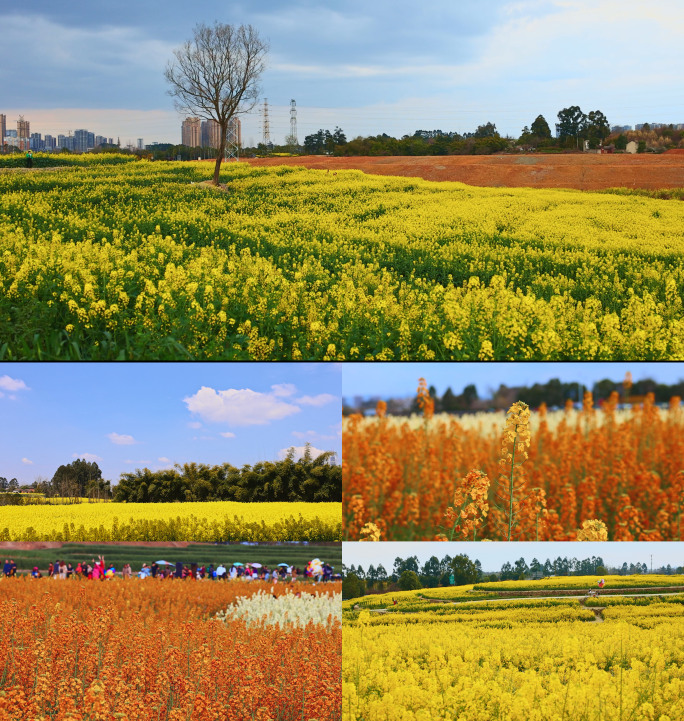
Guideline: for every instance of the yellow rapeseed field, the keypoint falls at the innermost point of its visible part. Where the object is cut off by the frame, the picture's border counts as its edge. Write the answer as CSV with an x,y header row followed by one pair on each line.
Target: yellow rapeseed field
x,y
214,521
516,661
135,261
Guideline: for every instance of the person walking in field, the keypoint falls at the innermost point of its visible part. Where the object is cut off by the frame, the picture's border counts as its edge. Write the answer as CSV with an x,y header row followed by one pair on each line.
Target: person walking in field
x,y
29,159
601,584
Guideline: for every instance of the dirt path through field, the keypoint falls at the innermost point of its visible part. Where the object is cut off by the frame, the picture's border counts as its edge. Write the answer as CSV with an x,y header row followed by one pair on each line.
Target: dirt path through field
x,y
579,171
550,598
598,610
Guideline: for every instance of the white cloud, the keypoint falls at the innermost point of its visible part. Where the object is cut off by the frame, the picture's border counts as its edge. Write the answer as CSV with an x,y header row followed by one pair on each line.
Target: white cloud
x,y
12,384
320,400
312,436
121,440
194,424
143,462
242,407
283,390
227,434
26,462
164,459
86,456
299,452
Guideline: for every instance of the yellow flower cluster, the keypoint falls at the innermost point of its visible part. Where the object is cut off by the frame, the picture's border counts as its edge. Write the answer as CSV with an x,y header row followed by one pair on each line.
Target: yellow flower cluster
x,y
135,261
575,582
516,667
213,521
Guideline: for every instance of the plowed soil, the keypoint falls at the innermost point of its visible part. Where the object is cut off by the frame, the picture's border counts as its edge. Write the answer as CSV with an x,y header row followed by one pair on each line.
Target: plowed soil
x,y
581,171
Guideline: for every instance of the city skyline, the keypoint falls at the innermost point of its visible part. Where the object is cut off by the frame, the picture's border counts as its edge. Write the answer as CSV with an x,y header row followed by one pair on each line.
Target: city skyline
x,y
368,68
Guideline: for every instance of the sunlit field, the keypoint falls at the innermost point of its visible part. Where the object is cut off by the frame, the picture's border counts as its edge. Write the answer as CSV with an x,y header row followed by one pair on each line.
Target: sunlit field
x,y
137,260
590,474
214,521
590,659
151,650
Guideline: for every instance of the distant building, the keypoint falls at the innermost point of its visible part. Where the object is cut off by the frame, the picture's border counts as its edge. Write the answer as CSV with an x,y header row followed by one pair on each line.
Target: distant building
x,y
80,141
191,132
620,128
23,133
211,134
100,140
50,143
3,130
36,141
65,141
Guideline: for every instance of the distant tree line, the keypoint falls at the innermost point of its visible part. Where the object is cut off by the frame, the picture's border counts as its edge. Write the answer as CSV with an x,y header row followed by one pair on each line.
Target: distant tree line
x,y
407,573
308,479
572,129
554,393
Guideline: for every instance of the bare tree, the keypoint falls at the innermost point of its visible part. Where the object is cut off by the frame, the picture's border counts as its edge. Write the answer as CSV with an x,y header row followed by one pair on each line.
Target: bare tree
x,y
215,75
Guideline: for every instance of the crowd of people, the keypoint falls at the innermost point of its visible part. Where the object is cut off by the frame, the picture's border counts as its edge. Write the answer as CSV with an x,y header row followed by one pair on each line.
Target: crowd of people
x,y
98,570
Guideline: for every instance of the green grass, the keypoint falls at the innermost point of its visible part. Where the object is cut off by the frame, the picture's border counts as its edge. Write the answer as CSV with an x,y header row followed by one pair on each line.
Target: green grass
x,y
296,554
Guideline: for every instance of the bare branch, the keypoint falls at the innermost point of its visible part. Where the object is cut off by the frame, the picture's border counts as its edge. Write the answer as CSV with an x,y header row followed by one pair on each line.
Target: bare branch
x,y
215,75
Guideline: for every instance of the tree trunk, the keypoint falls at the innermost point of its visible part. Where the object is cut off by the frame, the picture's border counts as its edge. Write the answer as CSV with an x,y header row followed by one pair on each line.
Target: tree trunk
x,y
221,153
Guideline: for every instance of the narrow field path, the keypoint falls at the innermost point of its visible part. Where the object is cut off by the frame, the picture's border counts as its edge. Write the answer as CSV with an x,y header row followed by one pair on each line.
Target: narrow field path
x,y
550,598
579,599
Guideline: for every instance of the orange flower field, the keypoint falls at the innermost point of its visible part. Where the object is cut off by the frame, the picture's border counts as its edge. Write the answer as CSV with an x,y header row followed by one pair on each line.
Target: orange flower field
x,y
589,474
139,650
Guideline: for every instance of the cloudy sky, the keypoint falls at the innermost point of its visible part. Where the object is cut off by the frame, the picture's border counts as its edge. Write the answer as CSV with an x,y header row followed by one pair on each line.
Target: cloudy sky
x,y
134,415
493,555
384,66
400,380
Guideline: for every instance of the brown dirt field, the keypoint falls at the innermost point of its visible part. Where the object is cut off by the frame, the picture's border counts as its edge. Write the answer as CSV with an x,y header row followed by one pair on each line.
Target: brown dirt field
x,y
580,171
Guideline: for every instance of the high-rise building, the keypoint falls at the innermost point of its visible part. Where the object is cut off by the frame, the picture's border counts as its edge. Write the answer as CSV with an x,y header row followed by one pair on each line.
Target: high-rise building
x,y
100,140
36,141
211,134
191,132
23,133
3,131
140,144
65,141
49,142
80,140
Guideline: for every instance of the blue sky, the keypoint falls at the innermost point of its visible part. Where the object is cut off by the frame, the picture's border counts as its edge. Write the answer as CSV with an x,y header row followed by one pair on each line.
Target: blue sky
x,y
132,415
392,66
493,555
400,380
